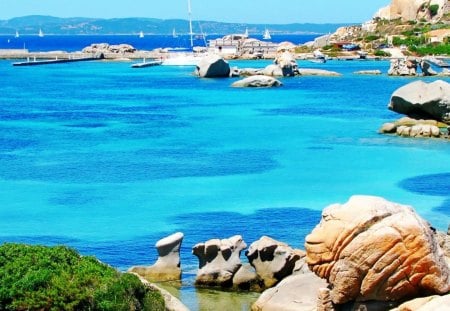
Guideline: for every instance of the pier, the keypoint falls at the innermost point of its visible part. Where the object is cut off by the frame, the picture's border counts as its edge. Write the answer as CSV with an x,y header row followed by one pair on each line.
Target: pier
x,y
35,62
147,64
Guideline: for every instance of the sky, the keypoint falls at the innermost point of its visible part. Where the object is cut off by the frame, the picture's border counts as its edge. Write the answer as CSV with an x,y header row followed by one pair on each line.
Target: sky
x,y
235,11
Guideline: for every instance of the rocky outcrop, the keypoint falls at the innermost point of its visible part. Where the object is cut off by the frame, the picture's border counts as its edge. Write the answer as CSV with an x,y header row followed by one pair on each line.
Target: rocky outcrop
x,y
422,100
408,10
295,293
432,303
285,60
167,267
403,67
368,72
408,127
105,48
219,260
273,260
373,249
213,66
317,72
257,81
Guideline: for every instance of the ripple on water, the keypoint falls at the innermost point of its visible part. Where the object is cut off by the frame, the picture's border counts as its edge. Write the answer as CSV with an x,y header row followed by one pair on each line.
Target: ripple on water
x,y
434,184
119,167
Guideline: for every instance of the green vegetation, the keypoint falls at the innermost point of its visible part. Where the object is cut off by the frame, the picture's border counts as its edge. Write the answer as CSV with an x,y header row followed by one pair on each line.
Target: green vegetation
x,y
432,49
58,278
381,53
434,8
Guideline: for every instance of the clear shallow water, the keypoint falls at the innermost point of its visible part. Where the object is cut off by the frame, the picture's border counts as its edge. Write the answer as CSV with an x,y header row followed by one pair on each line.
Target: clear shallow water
x,y
109,159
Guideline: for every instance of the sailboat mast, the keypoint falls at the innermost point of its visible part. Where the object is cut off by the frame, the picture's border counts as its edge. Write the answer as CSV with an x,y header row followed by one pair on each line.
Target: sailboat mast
x,y
190,23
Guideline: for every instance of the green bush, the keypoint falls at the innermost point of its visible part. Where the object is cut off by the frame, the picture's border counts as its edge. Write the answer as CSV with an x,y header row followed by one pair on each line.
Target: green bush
x,y
431,49
58,278
381,53
434,8
371,38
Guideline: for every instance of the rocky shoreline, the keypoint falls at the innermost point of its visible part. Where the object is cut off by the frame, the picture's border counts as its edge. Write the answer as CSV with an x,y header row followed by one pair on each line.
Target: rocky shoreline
x,y
385,257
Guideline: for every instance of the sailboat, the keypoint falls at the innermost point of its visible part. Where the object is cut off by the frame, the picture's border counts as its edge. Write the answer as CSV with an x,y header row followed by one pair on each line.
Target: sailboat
x,y
246,32
174,33
184,59
141,34
266,35
17,34
41,34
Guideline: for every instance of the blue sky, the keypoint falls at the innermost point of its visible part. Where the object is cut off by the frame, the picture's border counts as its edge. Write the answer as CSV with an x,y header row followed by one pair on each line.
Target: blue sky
x,y
240,11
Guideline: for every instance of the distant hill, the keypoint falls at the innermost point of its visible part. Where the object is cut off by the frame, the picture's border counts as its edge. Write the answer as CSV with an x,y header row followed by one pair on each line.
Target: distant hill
x,y
82,25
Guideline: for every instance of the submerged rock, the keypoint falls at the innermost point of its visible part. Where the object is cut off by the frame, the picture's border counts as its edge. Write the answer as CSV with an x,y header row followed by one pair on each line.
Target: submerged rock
x,y
373,249
167,267
317,72
257,81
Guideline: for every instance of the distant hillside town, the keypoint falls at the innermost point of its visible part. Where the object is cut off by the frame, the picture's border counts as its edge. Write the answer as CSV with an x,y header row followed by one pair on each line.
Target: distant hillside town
x,y
30,25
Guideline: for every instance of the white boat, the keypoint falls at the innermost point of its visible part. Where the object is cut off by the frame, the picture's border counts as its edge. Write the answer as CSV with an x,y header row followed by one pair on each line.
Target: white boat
x,y
141,34
266,35
185,58
17,34
174,33
319,57
181,59
41,33
246,32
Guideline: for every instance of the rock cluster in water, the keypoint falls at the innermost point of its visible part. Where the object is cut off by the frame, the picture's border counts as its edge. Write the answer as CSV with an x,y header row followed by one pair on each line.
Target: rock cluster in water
x,y
427,107
366,254
285,65
106,48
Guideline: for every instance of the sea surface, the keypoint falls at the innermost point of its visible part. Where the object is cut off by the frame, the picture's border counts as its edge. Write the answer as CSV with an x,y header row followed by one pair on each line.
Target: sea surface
x,y
70,43
109,159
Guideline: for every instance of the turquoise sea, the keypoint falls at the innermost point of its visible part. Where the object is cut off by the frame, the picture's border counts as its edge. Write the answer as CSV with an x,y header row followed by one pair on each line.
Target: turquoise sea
x,y
109,159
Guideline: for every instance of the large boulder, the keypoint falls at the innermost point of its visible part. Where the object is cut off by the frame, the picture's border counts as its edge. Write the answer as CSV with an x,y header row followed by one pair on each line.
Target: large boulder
x,y
167,267
272,70
432,303
403,67
295,293
257,81
287,63
422,100
273,260
213,66
373,249
219,260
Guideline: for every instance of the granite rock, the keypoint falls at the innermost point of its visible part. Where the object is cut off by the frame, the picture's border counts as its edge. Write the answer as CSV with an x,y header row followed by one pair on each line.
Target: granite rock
x,y
219,260
422,100
373,249
272,260
167,267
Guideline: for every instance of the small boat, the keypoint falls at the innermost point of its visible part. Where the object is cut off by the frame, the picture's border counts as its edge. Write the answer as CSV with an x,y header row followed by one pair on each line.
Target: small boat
x,y
181,59
319,57
41,33
246,32
17,34
174,33
266,35
141,34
